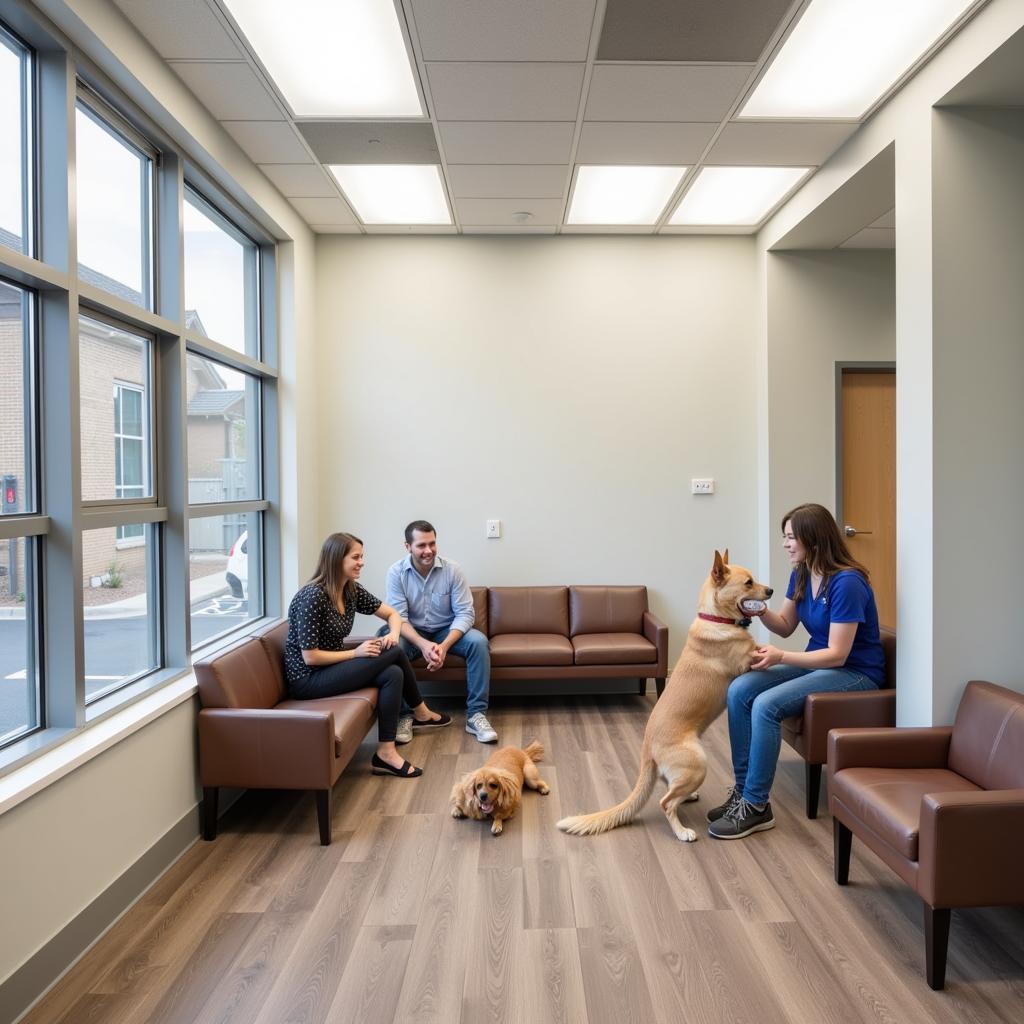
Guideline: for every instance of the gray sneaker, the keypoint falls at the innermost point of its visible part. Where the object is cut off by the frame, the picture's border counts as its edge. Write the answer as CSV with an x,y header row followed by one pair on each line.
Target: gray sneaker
x,y
722,809
481,728
404,734
743,819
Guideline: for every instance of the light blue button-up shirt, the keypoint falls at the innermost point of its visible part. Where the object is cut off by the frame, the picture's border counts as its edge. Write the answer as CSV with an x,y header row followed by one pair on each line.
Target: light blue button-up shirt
x,y
441,600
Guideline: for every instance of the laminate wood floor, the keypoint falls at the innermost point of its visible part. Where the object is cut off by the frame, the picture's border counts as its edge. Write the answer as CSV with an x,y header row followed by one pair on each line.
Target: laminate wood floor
x,y
411,915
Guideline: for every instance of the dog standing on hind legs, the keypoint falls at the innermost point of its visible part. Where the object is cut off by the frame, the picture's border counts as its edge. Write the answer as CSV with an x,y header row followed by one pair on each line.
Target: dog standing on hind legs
x,y
718,649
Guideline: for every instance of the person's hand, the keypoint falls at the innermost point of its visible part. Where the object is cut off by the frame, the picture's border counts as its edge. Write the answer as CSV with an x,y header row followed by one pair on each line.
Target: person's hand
x,y
765,657
387,641
434,655
369,648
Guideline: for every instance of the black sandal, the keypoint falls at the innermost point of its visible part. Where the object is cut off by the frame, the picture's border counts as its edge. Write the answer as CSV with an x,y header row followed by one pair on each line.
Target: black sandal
x,y
432,723
380,767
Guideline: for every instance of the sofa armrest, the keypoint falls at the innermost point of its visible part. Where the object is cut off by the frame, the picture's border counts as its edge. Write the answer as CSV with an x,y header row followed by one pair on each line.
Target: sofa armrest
x,y
969,848
859,709
266,748
888,748
657,633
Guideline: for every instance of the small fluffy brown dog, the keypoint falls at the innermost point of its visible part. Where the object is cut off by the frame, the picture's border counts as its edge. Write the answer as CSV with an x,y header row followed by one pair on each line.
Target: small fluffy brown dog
x,y
496,789
718,648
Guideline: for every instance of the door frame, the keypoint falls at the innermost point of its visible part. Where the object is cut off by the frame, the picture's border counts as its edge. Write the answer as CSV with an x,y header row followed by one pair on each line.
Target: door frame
x,y
867,366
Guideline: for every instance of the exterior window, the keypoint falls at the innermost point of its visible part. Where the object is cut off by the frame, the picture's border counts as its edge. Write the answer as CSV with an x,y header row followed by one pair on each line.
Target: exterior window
x,y
129,450
221,279
114,209
17,417
15,130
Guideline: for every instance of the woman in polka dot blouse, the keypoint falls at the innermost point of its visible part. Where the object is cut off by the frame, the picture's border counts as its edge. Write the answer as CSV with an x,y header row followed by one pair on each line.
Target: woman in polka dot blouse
x,y
320,617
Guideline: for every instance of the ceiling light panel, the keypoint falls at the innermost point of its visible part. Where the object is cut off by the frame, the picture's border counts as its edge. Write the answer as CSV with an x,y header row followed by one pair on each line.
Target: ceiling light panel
x,y
332,59
844,54
735,196
394,193
622,195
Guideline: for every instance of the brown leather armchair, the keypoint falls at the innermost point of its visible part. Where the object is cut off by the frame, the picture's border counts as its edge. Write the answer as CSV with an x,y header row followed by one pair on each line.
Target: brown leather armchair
x,y
807,733
943,807
252,736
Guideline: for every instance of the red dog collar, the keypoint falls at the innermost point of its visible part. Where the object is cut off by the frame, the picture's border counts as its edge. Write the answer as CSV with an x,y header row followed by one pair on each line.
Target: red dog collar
x,y
729,622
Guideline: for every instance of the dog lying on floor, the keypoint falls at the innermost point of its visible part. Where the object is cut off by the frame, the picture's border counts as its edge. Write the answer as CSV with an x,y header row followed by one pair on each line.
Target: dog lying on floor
x,y
718,648
496,789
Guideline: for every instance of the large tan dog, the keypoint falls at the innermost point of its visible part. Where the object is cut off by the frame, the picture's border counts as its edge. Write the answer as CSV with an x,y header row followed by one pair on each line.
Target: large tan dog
x,y
496,790
718,648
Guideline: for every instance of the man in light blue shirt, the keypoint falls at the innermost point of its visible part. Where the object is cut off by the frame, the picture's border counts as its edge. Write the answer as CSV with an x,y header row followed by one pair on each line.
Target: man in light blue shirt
x,y
432,595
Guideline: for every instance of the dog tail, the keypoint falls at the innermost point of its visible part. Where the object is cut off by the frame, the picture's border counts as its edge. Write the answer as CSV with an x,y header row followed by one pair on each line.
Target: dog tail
x,y
620,814
535,751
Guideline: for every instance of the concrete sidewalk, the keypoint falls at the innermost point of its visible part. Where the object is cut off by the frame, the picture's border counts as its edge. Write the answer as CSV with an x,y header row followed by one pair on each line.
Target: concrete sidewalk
x,y
201,590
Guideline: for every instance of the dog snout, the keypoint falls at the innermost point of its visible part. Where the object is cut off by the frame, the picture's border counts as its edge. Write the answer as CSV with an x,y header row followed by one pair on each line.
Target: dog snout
x,y
769,591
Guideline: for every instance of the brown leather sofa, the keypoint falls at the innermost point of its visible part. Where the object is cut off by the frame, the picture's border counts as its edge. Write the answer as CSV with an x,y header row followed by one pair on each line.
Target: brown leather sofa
x,y
252,736
554,633
943,807
807,733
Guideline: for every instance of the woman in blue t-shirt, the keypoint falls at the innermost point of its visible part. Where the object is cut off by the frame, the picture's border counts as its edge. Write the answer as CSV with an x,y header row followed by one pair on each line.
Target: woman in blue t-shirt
x,y
829,595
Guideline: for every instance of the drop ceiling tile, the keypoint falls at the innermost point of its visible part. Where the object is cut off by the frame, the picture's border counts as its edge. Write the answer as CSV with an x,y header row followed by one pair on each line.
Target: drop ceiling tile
x,y
324,211
183,29
490,181
495,212
636,92
697,30
337,229
624,142
268,142
767,144
504,229
506,142
300,180
231,92
872,238
371,142
499,30
506,92
411,229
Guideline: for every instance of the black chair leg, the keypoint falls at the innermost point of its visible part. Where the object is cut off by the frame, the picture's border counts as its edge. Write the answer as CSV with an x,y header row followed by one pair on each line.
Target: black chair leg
x,y
842,841
936,943
813,789
323,815
210,812
642,688
659,685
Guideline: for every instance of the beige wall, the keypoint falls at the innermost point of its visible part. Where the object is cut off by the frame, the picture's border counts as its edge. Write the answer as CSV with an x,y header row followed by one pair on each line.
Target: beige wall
x,y
569,387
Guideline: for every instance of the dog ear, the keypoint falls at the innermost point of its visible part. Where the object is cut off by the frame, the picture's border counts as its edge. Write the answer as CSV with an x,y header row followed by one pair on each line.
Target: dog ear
x,y
725,556
718,572
508,789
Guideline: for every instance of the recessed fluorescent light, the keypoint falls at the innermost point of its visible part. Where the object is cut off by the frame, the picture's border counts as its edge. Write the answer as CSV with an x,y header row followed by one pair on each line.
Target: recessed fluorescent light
x,y
394,193
732,196
340,59
843,54
622,195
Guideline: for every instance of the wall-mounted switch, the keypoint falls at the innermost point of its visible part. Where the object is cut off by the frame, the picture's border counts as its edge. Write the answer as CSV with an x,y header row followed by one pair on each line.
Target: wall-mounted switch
x,y
702,485
493,528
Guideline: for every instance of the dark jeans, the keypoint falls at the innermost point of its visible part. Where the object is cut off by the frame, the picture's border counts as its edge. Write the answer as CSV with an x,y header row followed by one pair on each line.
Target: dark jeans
x,y
390,672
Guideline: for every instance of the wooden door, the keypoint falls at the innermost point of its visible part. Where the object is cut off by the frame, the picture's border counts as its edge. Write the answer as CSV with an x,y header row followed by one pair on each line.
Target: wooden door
x,y
869,479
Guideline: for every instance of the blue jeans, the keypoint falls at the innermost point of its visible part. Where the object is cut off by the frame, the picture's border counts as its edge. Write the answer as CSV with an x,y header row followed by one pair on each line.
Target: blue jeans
x,y
758,702
474,648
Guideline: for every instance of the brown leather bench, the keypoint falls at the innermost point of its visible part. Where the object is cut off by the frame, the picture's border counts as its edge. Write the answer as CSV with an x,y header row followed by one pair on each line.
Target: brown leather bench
x,y
943,807
252,736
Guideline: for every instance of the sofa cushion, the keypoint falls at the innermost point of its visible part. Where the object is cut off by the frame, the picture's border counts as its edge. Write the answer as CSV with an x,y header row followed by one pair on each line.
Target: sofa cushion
x,y
351,711
273,638
888,800
606,609
530,649
988,735
528,610
240,676
613,649
480,609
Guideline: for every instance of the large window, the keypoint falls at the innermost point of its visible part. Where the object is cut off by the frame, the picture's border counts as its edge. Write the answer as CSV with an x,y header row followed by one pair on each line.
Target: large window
x,y
15,131
130,461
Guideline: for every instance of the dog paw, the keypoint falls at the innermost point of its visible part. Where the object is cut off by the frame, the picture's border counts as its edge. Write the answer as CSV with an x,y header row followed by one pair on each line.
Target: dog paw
x,y
496,829
686,835
689,799
456,813
543,789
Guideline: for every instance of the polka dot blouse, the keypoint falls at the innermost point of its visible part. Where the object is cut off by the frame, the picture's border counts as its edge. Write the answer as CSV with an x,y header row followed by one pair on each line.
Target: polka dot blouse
x,y
314,623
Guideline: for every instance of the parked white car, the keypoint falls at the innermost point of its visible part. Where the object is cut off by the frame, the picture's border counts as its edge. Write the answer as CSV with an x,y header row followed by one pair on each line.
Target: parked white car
x,y
237,572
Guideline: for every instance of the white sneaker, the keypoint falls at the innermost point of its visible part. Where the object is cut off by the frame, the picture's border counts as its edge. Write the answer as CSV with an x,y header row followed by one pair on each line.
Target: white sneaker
x,y
404,734
481,728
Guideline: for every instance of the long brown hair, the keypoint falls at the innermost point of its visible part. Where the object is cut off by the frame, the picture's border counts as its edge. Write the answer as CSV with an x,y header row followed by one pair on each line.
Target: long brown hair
x,y
826,550
328,572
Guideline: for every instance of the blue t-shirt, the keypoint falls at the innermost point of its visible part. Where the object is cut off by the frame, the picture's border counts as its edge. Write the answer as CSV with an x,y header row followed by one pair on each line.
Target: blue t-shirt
x,y
846,597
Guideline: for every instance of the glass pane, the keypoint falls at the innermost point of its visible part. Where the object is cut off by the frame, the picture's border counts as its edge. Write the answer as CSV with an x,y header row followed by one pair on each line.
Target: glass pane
x,y
19,673
224,567
220,280
223,433
17,491
113,210
114,372
14,122
121,640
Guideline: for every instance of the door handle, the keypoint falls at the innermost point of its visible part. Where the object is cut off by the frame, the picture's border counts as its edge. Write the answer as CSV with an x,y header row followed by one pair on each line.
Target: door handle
x,y
852,531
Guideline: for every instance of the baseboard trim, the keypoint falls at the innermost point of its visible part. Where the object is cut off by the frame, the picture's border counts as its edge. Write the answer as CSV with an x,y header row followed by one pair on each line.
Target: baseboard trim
x,y
45,968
